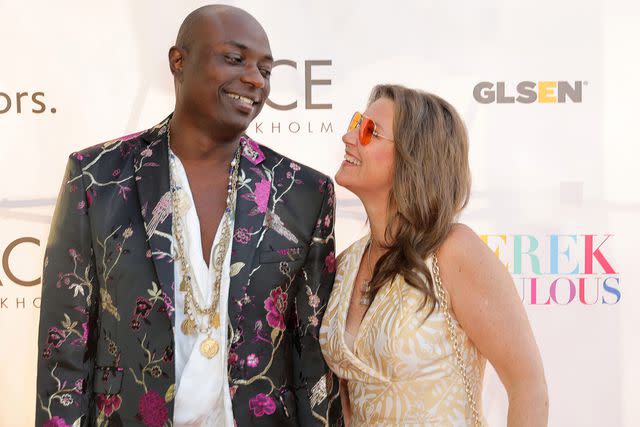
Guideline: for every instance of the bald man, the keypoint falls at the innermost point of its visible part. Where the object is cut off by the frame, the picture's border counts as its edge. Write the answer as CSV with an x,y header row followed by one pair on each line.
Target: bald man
x,y
188,267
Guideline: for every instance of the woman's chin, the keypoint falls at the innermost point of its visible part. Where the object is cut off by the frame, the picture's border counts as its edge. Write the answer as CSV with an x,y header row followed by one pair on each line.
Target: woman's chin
x,y
341,178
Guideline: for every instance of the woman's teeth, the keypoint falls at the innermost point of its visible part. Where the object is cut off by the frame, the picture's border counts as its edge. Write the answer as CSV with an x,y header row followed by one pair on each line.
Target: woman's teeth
x,y
352,160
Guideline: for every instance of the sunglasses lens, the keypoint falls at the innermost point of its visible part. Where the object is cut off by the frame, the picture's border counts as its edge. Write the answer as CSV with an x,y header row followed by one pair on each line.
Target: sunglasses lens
x,y
366,130
354,121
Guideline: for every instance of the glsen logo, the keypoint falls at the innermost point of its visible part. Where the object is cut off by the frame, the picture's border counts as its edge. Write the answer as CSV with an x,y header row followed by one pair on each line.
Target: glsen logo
x,y
313,100
22,102
559,269
528,92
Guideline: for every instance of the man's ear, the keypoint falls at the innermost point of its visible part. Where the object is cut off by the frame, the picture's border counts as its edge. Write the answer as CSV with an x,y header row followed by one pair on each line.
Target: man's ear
x,y
176,61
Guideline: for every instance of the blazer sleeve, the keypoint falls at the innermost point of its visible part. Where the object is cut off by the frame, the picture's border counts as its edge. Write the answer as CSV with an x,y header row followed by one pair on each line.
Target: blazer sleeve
x,y
66,341
315,386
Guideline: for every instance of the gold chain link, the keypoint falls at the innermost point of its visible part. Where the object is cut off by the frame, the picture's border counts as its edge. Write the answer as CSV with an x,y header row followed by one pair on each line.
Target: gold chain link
x,y
220,249
442,300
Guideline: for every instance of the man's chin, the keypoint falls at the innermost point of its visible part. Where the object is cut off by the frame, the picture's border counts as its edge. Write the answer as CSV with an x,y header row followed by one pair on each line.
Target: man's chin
x,y
233,125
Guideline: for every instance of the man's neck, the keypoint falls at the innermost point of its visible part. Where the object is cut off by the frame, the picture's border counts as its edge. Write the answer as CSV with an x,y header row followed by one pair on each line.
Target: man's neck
x,y
194,143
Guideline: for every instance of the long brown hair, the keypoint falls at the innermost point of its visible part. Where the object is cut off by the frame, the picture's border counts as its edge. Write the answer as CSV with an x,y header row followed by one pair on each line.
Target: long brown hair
x,y
431,185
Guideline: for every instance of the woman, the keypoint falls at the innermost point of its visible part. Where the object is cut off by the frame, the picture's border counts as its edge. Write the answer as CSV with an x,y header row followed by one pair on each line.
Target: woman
x,y
420,302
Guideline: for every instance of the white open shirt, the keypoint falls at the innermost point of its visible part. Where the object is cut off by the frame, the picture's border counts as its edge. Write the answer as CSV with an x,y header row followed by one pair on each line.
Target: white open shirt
x,y
202,390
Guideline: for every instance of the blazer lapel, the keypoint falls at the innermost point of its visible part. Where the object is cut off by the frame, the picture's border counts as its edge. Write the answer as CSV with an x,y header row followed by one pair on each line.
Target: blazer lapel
x,y
254,189
152,182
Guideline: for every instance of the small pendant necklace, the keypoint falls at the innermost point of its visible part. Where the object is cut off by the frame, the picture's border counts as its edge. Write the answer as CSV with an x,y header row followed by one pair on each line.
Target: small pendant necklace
x,y
366,292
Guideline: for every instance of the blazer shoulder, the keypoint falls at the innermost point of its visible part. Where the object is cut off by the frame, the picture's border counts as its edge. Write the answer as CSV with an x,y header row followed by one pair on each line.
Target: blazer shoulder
x,y
308,171
122,145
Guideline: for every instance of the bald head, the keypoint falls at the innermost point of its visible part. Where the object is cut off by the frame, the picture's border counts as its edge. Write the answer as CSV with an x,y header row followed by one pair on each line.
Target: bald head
x,y
221,64
213,14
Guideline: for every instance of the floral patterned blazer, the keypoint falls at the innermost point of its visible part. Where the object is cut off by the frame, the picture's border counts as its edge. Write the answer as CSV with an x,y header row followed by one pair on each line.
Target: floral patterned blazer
x,y
106,339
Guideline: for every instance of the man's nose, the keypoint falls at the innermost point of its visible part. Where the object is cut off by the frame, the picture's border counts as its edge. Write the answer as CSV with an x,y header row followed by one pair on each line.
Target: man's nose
x,y
253,76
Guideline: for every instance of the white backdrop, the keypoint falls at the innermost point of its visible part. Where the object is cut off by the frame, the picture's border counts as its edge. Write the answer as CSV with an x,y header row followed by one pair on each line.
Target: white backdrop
x,y
78,73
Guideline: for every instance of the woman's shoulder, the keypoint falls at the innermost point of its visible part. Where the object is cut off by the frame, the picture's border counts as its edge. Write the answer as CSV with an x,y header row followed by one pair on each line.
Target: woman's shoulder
x,y
460,243
464,256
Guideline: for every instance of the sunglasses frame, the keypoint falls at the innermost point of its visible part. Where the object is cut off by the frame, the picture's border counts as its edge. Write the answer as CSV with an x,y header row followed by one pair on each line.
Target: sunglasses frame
x,y
367,128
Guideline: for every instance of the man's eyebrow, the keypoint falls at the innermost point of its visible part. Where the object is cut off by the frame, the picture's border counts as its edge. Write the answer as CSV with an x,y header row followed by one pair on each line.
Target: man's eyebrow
x,y
242,46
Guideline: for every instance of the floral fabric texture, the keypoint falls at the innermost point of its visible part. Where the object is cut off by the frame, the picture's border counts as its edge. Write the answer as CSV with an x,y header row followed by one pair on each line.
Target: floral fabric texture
x,y
106,343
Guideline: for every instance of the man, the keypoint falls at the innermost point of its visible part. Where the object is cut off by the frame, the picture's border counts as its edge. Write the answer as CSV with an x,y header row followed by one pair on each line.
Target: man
x,y
188,267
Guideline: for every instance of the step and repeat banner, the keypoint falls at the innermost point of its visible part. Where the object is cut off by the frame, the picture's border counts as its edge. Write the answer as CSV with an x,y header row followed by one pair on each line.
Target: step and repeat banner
x,y
549,91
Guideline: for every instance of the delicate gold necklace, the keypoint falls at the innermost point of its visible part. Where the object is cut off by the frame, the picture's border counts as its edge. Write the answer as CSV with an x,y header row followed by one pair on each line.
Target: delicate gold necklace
x,y
209,347
366,293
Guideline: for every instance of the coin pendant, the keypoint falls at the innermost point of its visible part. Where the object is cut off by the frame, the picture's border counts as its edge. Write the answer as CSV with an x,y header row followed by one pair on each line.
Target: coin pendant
x,y
188,327
209,348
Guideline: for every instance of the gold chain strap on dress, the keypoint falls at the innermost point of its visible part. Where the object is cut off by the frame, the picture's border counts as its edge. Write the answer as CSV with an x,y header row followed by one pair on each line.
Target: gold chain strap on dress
x,y
442,300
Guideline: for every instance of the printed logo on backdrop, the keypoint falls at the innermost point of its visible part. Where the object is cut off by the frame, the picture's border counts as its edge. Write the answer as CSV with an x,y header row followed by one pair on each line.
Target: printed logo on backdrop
x,y
21,247
529,92
315,103
24,102
559,269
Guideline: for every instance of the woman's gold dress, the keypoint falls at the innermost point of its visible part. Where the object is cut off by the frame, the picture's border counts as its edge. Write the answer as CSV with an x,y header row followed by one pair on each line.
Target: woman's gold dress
x,y
401,370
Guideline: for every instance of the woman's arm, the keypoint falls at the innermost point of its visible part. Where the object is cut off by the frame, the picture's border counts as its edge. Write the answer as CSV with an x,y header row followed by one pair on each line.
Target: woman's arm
x,y
344,400
487,306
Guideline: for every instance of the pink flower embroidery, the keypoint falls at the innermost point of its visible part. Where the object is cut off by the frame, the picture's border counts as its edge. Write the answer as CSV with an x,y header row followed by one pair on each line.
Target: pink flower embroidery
x,y
168,304
313,320
263,188
56,422
314,301
147,152
275,306
327,221
66,399
233,359
252,360
152,409
128,232
294,166
262,404
242,235
109,403
330,262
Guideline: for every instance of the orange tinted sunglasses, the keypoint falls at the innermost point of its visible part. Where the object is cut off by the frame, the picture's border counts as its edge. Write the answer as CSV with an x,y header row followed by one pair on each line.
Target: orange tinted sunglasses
x,y
367,127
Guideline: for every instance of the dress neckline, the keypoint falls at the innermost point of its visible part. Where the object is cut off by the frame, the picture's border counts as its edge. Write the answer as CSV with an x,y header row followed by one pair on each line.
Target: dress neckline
x,y
347,295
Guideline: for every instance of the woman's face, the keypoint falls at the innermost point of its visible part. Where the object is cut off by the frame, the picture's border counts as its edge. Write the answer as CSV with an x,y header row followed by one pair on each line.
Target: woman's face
x,y
367,170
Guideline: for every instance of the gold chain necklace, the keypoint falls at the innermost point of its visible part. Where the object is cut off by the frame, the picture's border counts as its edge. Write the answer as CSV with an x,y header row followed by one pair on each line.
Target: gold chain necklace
x,y
210,346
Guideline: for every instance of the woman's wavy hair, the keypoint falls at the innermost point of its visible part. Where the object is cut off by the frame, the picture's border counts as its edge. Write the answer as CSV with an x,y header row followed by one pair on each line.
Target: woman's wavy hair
x,y
431,185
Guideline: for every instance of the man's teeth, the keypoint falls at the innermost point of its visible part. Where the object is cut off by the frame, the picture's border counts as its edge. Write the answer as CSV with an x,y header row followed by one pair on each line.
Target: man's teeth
x,y
352,160
241,98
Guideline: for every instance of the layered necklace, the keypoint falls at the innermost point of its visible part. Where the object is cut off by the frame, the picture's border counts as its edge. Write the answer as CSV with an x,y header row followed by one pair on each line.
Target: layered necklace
x,y
200,317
